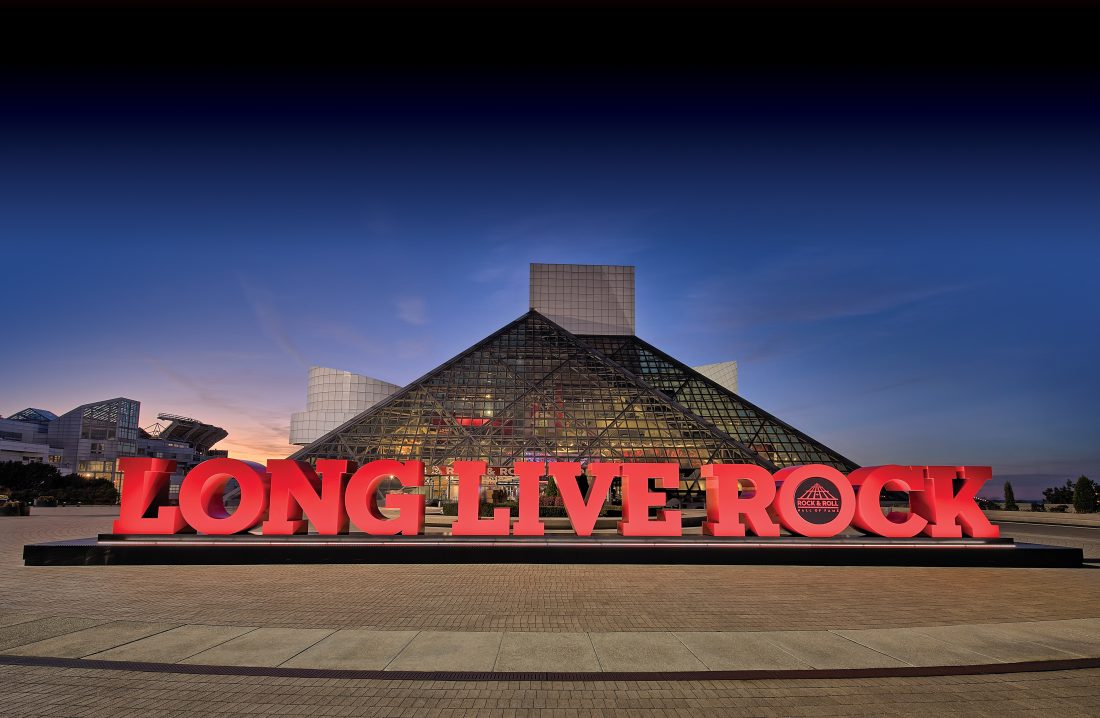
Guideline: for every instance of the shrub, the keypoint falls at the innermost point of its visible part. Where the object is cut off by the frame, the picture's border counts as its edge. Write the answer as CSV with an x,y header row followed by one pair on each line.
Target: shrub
x,y
1010,498
14,508
1058,508
1038,506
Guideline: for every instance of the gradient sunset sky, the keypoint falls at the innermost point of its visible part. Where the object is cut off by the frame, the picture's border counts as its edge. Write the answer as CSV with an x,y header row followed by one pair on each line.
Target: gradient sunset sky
x,y
903,262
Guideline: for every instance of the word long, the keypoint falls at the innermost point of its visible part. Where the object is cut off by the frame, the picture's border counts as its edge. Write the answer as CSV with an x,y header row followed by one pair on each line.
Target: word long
x,y
810,500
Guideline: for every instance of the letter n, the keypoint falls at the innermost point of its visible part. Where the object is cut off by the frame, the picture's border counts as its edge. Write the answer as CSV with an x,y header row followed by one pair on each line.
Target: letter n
x,y
296,490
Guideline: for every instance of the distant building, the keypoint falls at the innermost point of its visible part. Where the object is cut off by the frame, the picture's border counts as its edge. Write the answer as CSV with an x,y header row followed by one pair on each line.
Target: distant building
x,y
89,439
334,397
24,437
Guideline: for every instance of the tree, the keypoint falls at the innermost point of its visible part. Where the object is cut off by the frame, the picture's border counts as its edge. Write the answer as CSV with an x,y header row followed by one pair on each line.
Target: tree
x,y
1084,496
1059,494
15,476
1010,498
26,482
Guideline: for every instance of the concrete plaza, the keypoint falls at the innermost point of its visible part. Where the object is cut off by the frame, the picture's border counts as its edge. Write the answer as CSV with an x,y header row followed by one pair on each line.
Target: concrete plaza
x,y
269,621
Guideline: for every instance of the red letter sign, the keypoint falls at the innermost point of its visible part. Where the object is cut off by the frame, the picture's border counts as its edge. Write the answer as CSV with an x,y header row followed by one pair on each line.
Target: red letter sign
x,y
294,490
582,511
142,481
469,500
361,499
637,499
725,502
871,481
529,474
814,500
952,514
202,494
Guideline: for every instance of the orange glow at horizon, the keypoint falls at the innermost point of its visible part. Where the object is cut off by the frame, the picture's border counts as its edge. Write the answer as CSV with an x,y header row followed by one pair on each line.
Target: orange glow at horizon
x,y
256,444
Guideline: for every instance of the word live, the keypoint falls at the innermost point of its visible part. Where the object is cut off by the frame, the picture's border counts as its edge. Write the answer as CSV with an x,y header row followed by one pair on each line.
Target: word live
x,y
811,500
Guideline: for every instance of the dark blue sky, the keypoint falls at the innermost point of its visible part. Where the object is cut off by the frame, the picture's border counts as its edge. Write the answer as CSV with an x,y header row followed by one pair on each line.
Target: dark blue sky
x,y
904,265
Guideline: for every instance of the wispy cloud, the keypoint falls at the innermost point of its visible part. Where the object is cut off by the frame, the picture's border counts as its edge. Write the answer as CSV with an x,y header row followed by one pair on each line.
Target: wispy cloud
x,y
810,286
412,310
573,236
493,273
255,432
269,319
201,390
412,348
345,334
849,394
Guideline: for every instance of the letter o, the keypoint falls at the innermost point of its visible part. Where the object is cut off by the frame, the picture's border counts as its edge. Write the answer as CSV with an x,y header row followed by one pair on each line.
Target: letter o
x,y
202,496
792,505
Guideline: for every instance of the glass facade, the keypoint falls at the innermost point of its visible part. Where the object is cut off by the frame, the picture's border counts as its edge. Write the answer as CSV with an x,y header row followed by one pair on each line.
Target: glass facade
x,y
92,437
535,392
89,439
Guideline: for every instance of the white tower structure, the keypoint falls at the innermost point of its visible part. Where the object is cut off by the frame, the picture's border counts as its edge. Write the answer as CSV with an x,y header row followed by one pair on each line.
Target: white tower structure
x,y
334,397
724,373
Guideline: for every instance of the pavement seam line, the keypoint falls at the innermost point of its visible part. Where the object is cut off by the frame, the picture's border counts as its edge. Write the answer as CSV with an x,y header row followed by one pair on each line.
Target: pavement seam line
x,y
330,632
219,643
870,648
588,634
496,658
764,635
20,623
920,630
56,635
1031,640
701,661
134,640
398,654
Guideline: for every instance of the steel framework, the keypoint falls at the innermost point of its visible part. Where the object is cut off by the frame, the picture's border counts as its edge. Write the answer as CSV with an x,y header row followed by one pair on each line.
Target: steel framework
x,y
533,391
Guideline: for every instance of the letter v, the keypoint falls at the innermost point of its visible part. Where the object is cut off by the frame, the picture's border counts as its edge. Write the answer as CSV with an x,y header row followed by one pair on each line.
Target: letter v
x,y
582,514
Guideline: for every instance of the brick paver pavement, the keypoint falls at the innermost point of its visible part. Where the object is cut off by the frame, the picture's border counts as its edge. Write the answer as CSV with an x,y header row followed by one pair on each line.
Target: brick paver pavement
x,y
539,598
68,692
531,597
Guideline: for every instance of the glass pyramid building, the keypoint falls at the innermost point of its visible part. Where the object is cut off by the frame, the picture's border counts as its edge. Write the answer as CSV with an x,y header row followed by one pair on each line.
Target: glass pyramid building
x,y
534,391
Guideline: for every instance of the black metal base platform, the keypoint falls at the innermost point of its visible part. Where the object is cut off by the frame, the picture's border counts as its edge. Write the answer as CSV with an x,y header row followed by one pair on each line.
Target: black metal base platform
x,y
358,548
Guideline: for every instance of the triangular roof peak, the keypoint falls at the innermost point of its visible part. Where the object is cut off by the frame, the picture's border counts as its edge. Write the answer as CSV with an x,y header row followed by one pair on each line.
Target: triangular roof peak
x,y
532,390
